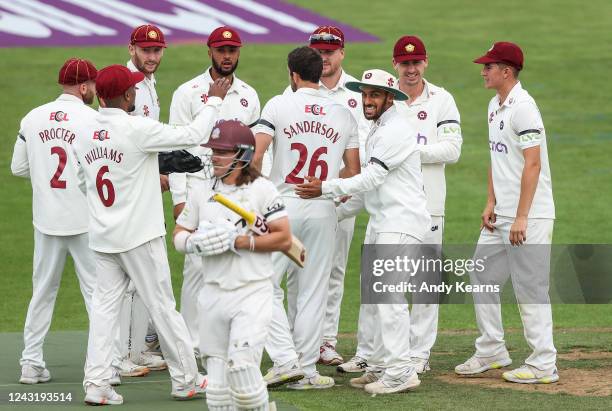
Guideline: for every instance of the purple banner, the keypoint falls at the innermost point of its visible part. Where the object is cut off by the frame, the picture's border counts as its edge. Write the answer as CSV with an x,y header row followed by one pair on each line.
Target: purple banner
x,y
29,23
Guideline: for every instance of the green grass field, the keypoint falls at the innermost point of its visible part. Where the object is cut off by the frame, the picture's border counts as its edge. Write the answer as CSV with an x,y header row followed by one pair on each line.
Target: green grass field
x,y
567,68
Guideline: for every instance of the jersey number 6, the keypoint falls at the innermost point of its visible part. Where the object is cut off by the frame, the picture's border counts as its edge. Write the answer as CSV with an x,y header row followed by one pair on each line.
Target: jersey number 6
x,y
315,162
109,198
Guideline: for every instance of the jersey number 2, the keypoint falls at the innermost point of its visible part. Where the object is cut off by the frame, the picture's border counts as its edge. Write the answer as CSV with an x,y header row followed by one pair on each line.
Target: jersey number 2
x,y
315,162
55,180
101,182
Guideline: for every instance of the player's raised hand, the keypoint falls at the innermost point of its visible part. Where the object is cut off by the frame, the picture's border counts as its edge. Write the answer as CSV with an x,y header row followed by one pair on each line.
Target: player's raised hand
x,y
311,189
219,87
488,217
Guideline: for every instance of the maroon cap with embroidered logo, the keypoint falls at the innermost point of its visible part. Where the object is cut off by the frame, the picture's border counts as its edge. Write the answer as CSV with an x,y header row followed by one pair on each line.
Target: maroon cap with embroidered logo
x,y
327,38
76,71
112,81
147,35
409,48
224,36
503,52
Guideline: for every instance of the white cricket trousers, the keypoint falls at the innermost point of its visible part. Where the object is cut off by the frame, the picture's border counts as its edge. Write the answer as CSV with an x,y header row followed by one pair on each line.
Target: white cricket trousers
x,y
193,271
390,323
344,236
50,253
133,325
147,266
314,223
423,317
514,262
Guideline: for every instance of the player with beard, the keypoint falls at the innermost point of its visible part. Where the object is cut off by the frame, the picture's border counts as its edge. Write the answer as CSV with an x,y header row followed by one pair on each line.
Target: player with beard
x,y
241,103
146,49
59,209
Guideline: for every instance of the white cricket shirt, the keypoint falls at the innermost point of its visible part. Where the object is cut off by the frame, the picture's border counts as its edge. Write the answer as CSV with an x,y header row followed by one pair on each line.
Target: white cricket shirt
x,y
349,99
391,182
513,127
310,133
241,103
118,155
147,102
43,152
435,118
230,270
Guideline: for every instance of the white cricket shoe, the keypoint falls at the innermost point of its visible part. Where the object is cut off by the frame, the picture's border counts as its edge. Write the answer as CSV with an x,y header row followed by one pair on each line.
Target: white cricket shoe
x,y
421,365
106,395
152,362
329,355
391,386
201,383
184,393
526,374
355,364
115,380
284,374
127,368
317,382
367,378
31,374
476,365
152,345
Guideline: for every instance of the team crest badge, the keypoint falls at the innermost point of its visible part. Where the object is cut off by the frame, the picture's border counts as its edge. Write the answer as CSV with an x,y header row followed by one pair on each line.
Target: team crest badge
x,y
152,34
244,102
216,133
367,76
390,81
501,125
204,98
101,135
227,34
422,115
409,48
352,103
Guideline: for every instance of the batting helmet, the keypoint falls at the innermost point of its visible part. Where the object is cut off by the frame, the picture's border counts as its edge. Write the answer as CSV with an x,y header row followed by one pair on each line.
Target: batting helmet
x,y
233,135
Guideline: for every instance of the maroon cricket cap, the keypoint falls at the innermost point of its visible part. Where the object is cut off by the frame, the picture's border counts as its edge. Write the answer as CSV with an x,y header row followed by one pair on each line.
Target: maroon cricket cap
x,y
76,71
503,52
112,81
147,35
327,38
224,36
409,48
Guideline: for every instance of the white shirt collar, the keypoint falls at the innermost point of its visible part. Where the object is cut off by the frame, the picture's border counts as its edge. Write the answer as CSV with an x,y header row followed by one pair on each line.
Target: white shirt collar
x,y
511,98
235,83
386,115
339,85
308,90
69,97
111,111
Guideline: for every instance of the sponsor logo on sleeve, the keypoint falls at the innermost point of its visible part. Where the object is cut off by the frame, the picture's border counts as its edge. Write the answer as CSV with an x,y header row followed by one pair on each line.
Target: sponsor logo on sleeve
x,y
498,147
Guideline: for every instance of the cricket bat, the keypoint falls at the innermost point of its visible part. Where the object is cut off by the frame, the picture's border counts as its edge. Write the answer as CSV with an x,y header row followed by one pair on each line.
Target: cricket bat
x,y
257,224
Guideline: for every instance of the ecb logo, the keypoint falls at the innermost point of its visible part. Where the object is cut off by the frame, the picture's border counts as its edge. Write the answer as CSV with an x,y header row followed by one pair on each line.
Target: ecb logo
x,y
101,135
58,116
315,109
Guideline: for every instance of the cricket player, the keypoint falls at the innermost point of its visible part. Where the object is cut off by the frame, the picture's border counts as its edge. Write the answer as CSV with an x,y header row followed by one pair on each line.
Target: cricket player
x,y
328,41
43,154
390,188
146,49
242,104
517,224
121,173
311,135
237,293
432,112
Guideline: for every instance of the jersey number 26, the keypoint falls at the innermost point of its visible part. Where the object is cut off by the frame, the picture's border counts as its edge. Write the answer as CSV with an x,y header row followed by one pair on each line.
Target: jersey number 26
x,y
315,162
